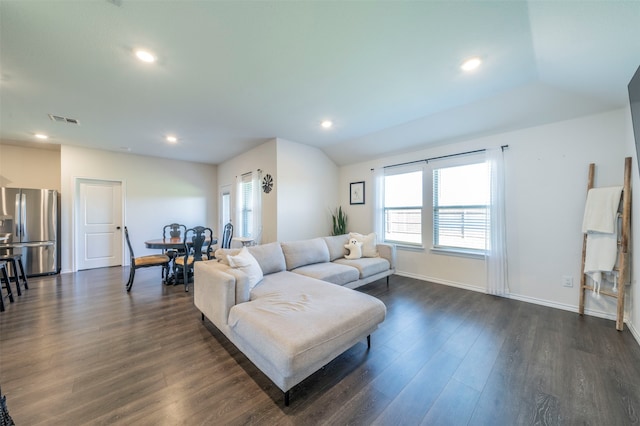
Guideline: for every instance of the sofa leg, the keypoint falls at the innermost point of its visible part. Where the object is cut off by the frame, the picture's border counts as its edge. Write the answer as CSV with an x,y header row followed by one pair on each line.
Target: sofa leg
x,y
369,342
387,281
286,398
202,317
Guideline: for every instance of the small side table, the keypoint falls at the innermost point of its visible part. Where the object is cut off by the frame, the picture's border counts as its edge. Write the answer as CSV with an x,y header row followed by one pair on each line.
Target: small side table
x,y
245,241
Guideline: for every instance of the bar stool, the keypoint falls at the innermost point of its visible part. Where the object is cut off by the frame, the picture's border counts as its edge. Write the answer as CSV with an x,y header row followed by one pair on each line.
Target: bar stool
x,y
16,261
4,282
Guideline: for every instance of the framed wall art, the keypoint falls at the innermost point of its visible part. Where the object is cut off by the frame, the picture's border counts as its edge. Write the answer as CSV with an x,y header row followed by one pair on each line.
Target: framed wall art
x,y
356,193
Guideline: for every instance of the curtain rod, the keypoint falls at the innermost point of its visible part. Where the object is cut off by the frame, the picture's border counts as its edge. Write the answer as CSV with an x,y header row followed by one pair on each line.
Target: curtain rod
x,y
248,173
426,160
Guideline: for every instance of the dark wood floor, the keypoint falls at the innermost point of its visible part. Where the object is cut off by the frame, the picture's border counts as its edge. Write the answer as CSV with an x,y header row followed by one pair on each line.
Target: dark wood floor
x,y
77,349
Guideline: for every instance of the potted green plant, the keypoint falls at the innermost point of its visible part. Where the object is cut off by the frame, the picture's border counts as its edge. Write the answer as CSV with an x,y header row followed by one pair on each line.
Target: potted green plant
x,y
339,222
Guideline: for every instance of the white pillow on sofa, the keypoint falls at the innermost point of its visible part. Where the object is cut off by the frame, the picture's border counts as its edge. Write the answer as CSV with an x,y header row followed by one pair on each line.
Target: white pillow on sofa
x,y
248,264
369,248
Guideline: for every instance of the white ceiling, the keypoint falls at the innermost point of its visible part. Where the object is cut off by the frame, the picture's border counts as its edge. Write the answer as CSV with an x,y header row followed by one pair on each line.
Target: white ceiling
x,y
231,75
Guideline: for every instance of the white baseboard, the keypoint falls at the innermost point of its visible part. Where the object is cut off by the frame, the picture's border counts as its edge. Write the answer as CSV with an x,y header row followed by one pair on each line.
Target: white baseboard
x,y
562,306
527,299
441,281
634,332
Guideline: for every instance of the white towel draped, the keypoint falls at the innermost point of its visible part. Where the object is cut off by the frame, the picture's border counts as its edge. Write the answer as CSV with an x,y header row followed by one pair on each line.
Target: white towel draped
x,y
601,255
600,223
601,209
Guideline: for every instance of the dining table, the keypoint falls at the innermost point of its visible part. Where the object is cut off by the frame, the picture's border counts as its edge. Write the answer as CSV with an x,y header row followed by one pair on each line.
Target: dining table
x,y
173,243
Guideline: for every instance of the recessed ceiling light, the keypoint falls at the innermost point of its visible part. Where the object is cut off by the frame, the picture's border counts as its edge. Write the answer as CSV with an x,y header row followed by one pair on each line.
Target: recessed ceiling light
x,y
172,139
41,136
471,64
145,56
326,124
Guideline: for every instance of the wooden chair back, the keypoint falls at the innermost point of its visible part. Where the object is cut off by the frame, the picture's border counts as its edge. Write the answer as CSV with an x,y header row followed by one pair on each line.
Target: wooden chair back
x,y
197,244
176,230
133,257
195,239
227,235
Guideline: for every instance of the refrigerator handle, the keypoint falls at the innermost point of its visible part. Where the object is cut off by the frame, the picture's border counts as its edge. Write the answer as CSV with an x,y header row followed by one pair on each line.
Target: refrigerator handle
x,y
23,214
18,215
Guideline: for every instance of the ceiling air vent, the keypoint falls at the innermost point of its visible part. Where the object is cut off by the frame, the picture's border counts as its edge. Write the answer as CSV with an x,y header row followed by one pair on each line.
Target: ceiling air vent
x,y
61,119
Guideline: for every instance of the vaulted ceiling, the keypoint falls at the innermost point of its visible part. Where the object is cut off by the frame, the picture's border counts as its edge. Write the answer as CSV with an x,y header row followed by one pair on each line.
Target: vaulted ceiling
x,y
230,75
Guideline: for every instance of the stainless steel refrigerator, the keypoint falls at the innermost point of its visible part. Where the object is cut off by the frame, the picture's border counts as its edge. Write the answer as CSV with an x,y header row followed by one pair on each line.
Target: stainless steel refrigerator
x,y
29,225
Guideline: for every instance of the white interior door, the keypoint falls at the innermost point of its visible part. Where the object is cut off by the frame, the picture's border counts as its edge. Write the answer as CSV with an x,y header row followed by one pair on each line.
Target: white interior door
x,y
225,207
98,224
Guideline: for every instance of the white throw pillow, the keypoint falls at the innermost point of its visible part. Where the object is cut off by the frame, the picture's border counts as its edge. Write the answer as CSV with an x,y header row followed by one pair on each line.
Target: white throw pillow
x,y
369,243
248,264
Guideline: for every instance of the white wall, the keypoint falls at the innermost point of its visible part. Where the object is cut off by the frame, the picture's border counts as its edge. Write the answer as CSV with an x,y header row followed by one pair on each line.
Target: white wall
x,y
546,171
632,295
304,188
307,182
156,192
262,157
25,167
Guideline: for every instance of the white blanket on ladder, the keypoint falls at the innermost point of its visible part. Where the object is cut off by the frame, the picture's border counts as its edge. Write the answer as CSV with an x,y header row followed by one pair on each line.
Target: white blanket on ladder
x,y
600,223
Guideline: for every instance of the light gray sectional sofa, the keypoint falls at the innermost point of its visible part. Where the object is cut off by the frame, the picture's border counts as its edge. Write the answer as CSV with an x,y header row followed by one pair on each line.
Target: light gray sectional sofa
x,y
302,313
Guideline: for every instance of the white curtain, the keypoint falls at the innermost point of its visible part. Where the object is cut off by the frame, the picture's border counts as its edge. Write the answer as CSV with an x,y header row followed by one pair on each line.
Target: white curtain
x,y
256,202
249,203
496,257
378,203
238,201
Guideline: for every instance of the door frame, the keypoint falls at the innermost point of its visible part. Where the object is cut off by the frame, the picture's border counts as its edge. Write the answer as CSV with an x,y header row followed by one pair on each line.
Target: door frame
x,y
77,180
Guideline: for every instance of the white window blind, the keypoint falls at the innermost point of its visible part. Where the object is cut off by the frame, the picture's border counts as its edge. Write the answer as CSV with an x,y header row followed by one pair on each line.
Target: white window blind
x,y
246,216
460,207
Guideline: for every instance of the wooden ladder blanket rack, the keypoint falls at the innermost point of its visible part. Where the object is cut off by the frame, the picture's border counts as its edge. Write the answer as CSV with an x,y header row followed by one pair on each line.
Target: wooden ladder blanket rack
x,y
622,261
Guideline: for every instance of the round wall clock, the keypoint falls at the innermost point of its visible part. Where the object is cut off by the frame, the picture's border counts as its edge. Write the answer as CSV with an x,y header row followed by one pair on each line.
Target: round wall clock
x,y
267,183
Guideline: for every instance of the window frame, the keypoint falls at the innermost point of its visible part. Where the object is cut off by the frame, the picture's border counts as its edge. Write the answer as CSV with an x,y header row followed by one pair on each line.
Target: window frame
x,y
406,169
452,249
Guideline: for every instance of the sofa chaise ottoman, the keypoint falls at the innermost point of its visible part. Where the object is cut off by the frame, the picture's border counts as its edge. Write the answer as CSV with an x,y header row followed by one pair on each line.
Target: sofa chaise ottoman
x,y
288,324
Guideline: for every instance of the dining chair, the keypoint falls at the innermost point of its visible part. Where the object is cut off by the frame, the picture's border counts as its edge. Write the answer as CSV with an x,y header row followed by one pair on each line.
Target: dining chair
x,y
17,269
5,418
143,261
227,235
195,239
4,283
173,230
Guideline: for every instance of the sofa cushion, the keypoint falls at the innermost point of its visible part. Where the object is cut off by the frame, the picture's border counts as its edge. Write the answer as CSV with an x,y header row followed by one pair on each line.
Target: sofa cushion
x,y
294,321
367,266
241,284
336,244
368,241
248,264
305,252
330,272
269,257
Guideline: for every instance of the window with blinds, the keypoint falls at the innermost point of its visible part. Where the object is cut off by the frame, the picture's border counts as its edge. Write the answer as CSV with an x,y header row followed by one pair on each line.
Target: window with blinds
x,y
461,207
246,213
403,207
